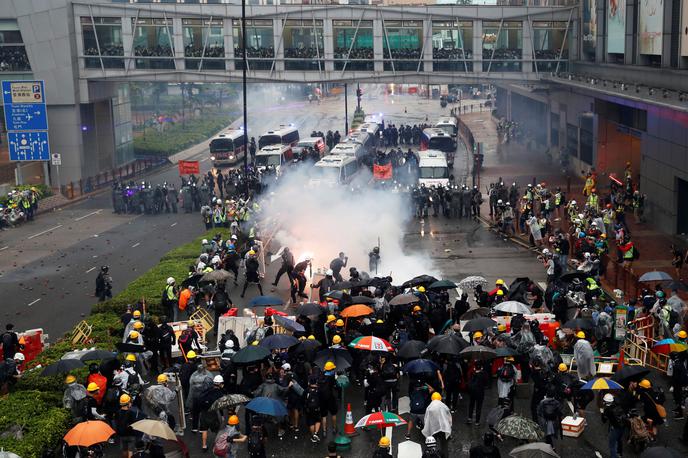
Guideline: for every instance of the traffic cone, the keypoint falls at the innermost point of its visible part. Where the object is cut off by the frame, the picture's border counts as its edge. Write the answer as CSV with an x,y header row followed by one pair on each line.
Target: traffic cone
x,y
349,429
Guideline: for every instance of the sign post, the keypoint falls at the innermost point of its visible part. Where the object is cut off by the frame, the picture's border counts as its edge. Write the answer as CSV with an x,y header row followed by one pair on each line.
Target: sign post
x,y
26,120
56,160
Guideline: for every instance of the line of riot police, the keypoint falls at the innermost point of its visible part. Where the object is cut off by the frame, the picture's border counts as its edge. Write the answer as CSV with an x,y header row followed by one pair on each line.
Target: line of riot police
x,y
451,201
143,198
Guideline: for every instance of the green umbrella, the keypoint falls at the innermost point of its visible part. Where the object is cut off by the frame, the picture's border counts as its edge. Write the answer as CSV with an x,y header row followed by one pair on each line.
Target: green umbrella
x,y
443,284
251,354
520,427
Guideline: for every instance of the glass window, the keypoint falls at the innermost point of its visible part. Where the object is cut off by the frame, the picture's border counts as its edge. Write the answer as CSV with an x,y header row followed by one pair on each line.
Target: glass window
x,y
549,44
452,46
404,40
153,43
360,42
204,44
104,33
303,42
502,46
13,56
260,43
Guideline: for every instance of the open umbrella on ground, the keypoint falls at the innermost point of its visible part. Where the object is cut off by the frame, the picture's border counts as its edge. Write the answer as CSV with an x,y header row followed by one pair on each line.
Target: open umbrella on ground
x,y
265,301
192,280
404,299
412,349
655,275
307,347
502,352
666,346
479,324
216,275
309,309
278,341
250,355
660,452
371,343
155,428
447,344
442,284
471,282
472,314
478,353
513,307
519,427
380,420
62,366
267,406
602,383
630,374
356,310
420,366
534,450
88,433
569,277
365,300
97,355
229,400
423,280
579,323
339,356
289,324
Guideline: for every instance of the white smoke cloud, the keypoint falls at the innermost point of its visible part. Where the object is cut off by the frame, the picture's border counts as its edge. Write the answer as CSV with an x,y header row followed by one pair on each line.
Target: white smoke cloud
x,y
323,221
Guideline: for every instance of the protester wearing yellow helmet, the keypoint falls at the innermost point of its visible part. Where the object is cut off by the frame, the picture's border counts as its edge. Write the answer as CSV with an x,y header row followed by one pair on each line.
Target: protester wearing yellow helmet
x,y
234,436
162,379
70,379
138,325
682,336
336,340
92,391
436,396
124,400
331,318
585,357
130,357
421,289
329,366
311,337
563,367
339,323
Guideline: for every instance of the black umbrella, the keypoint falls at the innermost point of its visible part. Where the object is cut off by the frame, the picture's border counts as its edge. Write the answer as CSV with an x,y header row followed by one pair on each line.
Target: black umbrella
x,y
412,349
124,347
404,299
340,357
62,367
423,280
341,296
447,344
251,354
309,309
193,280
630,374
579,323
472,314
97,355
478,353
346,285
442,284
479,324
501,352
278,341
306,347
569,277
675,285
365,300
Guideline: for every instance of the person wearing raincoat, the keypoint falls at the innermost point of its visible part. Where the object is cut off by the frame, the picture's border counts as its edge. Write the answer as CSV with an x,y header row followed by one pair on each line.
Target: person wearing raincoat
x,y
549,416
74,397
585,360
158,399
199,382
438,422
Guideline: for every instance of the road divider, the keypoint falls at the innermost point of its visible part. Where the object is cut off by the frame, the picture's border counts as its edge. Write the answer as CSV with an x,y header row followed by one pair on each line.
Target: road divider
x,y
44,232
86,216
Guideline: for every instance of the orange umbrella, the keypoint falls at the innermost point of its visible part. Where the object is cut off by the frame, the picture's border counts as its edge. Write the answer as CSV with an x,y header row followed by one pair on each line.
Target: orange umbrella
x,y
89,433
357,310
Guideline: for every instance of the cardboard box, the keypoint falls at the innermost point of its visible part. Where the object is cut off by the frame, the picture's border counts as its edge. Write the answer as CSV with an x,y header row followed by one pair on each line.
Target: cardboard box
x,y
571,427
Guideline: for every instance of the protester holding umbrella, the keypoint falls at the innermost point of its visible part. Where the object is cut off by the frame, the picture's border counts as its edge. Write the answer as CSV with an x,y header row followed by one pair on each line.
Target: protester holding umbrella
x,y
383,446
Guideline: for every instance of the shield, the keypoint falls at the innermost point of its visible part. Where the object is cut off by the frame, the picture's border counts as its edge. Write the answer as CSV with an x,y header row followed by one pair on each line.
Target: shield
x,y
267,406
655,276
265,301
420,280
155,428
601,383
371,343
519,427
478,353
579,323
216,275
278,341
471,282
412,349
630,374
97,355
442,284
404,299
356,310
365,300
472,314
447,344
514,307
340,357
380,420
534,450
288,324
89,433
479,324
250,355
309,309
229,400
61,367
420,366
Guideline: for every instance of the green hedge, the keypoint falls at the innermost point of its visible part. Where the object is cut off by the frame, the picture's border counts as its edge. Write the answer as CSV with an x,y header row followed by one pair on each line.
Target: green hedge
x,y
35,402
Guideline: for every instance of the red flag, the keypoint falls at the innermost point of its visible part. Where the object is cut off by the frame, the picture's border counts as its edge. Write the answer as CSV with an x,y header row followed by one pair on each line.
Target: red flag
x,y
189,168
382,172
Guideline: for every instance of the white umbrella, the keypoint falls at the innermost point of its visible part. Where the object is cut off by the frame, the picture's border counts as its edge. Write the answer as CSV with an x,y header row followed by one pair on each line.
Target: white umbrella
x,y
155,428
471,282
513,307
534,450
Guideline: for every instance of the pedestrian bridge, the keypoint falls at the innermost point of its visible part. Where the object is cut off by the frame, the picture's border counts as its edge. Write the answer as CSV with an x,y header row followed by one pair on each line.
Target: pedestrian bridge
x,y
433,44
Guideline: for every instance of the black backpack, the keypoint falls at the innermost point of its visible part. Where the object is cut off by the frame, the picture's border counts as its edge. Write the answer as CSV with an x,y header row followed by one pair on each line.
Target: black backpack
x,y
389,371
256,447
550,410
506,373
419,401
312,400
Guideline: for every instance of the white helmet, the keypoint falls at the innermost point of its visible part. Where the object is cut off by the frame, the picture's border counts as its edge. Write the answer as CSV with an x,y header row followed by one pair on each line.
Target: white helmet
x,y
204,241
430,442
546,252
218,379
233,237
19,357
229,344
499,202
170,281
573,202
608,398
587,255
216,260
286,366
329,272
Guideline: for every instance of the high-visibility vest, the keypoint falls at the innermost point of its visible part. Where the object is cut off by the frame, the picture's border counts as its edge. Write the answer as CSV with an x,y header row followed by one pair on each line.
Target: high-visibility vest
x,y
169,292
593,200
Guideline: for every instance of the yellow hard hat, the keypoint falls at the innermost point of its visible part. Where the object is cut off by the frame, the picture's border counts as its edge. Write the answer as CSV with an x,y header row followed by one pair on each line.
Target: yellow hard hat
x,y
92,387
682,334
477,335
138,325
233,420
302,338
580,335
251,253
162,378
331,318
563,367
130,357
336,340
499,282
436,396
339,323
384,442
70,379
500,292
191,323
417,308
509,359
124,399
191,354
645,383
136,314
311,337
501,327
421,289
254,343
379,322
329,366
134,335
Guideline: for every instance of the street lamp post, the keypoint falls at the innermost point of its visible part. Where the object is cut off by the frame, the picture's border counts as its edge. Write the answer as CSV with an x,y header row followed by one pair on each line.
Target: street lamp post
x,y
342,441
243,82
346,109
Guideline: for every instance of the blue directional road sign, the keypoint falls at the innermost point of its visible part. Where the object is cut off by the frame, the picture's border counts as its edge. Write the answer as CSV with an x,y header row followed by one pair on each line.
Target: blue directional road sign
x,y
25,116
28,146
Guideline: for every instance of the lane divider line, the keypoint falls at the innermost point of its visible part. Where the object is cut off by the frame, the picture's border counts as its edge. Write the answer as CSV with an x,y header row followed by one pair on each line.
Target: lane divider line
x,y
31,303
44,232
91,269
136,244
86,216
173,224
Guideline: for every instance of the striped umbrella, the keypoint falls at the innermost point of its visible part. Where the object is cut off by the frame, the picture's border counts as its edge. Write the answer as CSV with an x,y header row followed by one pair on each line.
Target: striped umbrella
x,y
371,343
380,420
666,346
602,383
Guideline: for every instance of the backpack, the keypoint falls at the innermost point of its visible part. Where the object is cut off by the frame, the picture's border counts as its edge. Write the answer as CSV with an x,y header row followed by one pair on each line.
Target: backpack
x,y
389,371
312,400
185,337
80,408
418,401
255,444
220,447
506,373
550,410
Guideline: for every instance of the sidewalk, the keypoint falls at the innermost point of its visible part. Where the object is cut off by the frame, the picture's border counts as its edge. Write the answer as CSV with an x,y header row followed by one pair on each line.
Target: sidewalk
x,y
513,162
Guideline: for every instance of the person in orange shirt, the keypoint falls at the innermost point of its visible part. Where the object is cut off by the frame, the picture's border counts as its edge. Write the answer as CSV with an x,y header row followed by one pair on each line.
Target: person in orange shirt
x,y
185,303
94,376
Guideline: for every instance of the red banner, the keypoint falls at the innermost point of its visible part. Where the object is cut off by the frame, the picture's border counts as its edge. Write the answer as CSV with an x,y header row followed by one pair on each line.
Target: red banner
x,y
189,168
382,172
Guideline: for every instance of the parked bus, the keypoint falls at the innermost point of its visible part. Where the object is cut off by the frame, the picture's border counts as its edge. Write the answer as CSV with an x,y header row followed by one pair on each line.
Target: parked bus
x,y
332,170
371,129
433,169
437,139
285,135
449,125
227,148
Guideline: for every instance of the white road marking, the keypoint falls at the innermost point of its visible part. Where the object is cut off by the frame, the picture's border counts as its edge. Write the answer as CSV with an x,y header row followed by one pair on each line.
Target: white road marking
x,y
31,303
204,159
4,248
91,269
173,224
86,216
44,232
136,244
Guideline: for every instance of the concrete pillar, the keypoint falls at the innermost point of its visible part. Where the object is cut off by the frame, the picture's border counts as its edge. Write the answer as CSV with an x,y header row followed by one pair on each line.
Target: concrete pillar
x,y
427,43
128,42
631,47
277,30
600,42
378,45
229,44
666,32
328,41
177,42
477,46
527,47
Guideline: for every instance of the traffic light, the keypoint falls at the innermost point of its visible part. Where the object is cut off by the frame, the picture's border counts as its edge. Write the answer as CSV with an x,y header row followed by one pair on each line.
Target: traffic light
x,y
359,93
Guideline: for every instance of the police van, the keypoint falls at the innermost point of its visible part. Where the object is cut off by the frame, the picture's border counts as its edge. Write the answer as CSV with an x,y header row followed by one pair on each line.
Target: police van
x,y
332,170
449,125
375,119
437,139
275,156
352,149
285,135
432,168
227,148
371,129
364,139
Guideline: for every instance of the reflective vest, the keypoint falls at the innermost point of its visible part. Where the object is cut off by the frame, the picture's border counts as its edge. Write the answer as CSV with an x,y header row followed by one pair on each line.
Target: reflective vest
x,y
593,200
557,199
169,293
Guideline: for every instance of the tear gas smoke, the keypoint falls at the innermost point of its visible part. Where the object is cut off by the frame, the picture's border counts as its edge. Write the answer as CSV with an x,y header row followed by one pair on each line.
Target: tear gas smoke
x,y
323,221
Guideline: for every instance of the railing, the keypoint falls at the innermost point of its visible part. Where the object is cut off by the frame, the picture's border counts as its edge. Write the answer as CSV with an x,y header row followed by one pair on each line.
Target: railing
x,y
639,342
616,276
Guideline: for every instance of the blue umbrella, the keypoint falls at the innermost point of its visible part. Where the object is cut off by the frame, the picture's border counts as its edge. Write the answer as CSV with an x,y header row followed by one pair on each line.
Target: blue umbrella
x,y
288,324
278,341
267,406
655,276
264,301
420,366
